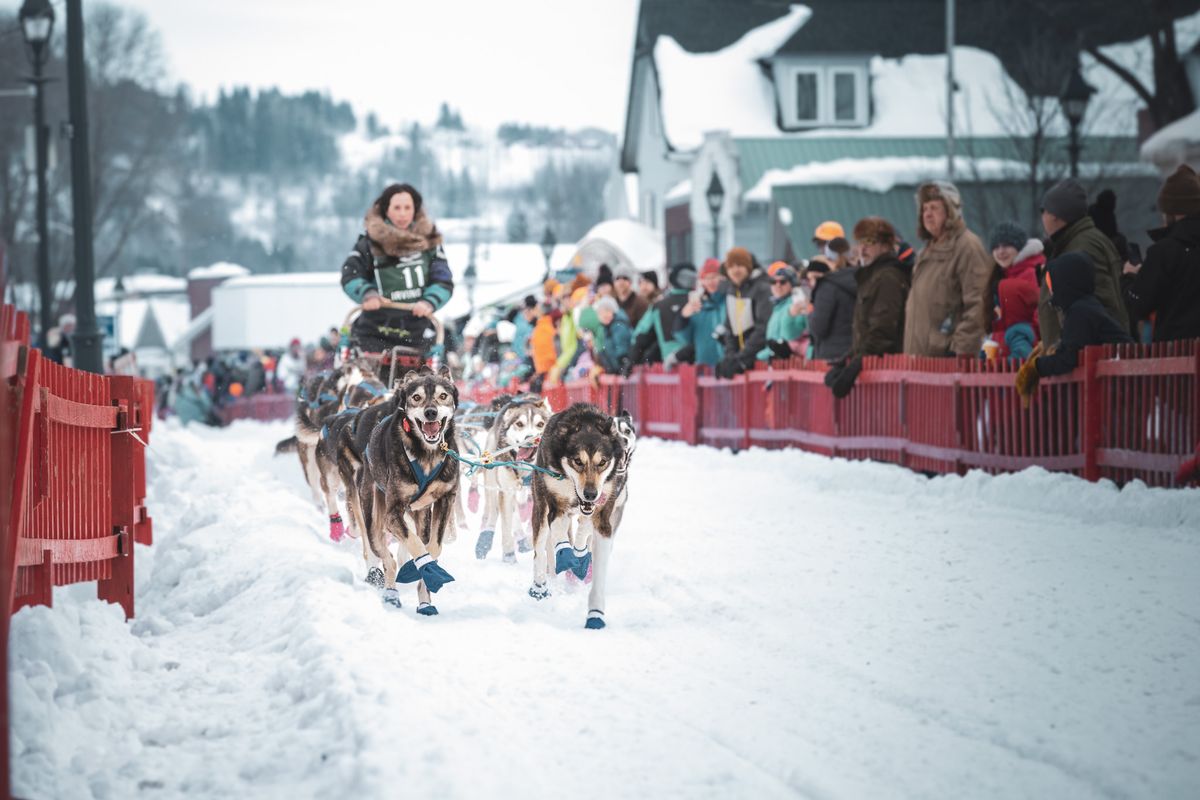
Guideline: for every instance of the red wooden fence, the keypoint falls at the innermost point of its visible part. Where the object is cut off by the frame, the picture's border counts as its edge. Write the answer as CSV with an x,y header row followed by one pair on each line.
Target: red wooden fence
x,y
72,482
1127,412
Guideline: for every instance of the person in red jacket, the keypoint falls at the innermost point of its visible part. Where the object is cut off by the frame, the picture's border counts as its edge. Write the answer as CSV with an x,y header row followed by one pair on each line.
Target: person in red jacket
x,y
1019,260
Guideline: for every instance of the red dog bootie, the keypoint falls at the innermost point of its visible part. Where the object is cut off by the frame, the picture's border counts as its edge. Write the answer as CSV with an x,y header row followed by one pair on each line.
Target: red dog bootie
x,y
473,500
527,510
336,531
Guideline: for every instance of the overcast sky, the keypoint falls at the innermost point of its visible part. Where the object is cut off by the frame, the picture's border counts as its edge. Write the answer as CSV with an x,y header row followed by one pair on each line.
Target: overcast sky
x,y
563,63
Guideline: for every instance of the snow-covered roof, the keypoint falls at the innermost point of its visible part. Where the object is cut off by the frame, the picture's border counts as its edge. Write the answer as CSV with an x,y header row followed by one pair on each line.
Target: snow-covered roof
x,y
222,269
679,191
140,284
728,90
172,313
725,89
1175,144
286,279
884,174
622,243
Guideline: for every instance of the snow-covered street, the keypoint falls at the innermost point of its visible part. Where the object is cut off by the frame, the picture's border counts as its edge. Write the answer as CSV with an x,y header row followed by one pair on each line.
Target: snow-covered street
x,y
780,624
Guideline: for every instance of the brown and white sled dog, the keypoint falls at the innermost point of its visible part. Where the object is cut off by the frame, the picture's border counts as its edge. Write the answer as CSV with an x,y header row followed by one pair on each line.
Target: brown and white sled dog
x,y
407,484
514,436
337,432
583,445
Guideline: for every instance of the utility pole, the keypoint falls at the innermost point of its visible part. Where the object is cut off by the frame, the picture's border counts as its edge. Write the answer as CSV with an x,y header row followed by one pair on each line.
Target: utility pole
x,y
85,344
950,88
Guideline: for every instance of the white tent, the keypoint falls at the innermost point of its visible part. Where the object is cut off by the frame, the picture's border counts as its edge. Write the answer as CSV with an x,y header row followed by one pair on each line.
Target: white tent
x,y
622,244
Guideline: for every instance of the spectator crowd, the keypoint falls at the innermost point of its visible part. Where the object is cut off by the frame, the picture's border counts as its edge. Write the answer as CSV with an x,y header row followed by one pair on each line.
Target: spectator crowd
x,y
1037,298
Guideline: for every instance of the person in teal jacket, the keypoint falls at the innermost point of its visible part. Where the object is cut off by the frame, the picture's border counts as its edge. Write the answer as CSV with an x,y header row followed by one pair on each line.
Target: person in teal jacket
x,y
700,320
787,323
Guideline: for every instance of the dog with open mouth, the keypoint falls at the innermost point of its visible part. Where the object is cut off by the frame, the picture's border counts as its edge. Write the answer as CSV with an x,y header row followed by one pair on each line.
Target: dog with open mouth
x,y
514,437
408,484
577,508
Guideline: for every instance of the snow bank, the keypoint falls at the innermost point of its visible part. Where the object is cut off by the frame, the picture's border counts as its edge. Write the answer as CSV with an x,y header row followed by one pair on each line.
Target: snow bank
x,y
781,624
884,174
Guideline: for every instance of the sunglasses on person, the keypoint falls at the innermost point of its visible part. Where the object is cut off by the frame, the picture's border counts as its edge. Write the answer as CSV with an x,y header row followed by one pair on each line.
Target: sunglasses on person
x,y
779,281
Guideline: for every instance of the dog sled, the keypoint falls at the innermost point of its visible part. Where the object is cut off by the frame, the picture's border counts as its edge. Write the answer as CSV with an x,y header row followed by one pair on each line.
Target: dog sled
x,y
400,359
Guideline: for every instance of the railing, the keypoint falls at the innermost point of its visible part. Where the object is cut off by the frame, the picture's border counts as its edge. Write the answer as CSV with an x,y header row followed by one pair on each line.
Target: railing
x,y
72,482
1128,412
261,407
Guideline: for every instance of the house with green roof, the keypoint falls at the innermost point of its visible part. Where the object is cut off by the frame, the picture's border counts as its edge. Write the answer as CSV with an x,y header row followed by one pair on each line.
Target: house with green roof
x,y
791,115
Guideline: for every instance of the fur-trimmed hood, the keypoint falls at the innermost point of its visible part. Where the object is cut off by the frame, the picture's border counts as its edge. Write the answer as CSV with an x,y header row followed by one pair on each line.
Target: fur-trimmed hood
x,y
388,240
948,193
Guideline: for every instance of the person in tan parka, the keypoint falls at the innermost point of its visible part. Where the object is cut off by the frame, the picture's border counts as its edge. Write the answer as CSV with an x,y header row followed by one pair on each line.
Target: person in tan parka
x,y
944,314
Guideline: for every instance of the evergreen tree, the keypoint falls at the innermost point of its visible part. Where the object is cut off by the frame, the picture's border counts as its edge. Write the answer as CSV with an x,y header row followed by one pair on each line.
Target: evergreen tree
x,y
517,226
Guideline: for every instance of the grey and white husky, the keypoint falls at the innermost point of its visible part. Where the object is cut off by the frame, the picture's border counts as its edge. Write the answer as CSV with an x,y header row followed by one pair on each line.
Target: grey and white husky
x,y
514,436
577,511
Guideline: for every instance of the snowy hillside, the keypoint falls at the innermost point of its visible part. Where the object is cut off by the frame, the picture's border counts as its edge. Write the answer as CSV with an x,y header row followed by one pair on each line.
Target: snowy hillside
x,y
780,625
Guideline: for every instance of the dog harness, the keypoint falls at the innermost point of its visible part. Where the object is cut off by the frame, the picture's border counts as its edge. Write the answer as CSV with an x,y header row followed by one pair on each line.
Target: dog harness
x,y
325,427
423,478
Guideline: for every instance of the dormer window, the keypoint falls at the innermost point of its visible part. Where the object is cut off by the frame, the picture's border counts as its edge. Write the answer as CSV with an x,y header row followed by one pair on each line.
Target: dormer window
x,y
818,95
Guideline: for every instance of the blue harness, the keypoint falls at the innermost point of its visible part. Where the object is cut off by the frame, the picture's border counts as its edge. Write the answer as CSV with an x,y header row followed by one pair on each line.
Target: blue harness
x,y
423,478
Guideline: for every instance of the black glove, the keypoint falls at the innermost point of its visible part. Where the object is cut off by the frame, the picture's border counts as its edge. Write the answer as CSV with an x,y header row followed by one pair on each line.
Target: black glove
x,y
728,367
842,375
780,348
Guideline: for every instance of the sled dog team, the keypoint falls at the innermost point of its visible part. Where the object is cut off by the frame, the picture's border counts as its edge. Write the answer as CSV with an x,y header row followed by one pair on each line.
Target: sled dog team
x,y
395,452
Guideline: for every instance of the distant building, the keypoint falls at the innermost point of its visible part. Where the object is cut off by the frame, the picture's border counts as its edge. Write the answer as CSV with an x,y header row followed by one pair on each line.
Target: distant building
x,y
804,114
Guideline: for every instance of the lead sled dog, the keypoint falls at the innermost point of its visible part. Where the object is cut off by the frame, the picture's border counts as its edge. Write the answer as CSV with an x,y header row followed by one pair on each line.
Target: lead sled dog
x,y
577,509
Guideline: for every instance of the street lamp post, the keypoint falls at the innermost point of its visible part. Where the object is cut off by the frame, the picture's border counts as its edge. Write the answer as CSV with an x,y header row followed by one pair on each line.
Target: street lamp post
x,y
37,23
470,275
716,198
1074,104
85,344
548,242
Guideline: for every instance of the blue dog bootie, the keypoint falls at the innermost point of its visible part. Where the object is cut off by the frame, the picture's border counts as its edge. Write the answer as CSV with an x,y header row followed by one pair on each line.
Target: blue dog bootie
x,y
524,545
483,545
539,591
568,558
391,597
427,610
425,569
595,620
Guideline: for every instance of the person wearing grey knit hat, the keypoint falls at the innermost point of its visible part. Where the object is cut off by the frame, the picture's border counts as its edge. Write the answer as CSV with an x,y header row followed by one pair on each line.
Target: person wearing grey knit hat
x,y
1065,219
1065,201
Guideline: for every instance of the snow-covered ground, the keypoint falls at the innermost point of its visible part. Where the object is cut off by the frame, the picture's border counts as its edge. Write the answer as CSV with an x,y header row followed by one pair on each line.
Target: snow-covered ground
x,y
780,625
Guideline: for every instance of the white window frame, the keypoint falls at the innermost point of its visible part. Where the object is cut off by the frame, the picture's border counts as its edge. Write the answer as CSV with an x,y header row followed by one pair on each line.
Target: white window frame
x,y
826,78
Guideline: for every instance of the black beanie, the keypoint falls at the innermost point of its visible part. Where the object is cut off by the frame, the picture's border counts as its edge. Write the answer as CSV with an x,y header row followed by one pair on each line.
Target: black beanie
x,y
1009,233
682,276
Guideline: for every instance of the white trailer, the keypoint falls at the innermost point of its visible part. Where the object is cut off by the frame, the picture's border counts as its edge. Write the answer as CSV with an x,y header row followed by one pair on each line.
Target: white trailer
x,y
268,311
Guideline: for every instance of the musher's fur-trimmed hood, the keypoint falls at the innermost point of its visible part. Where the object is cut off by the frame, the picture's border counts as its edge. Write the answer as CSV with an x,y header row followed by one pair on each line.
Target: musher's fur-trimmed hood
x,y
388,240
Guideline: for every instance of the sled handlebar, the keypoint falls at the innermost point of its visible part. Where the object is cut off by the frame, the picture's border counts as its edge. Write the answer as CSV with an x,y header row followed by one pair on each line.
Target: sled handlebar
x,y
438,331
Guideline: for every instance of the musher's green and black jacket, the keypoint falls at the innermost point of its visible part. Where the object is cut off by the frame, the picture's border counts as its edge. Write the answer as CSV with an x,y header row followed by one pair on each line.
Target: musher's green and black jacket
x,y
399,265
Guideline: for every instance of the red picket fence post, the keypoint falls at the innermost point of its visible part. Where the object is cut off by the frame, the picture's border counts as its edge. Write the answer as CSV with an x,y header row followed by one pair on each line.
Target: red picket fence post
x,y
689,404
1091,410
